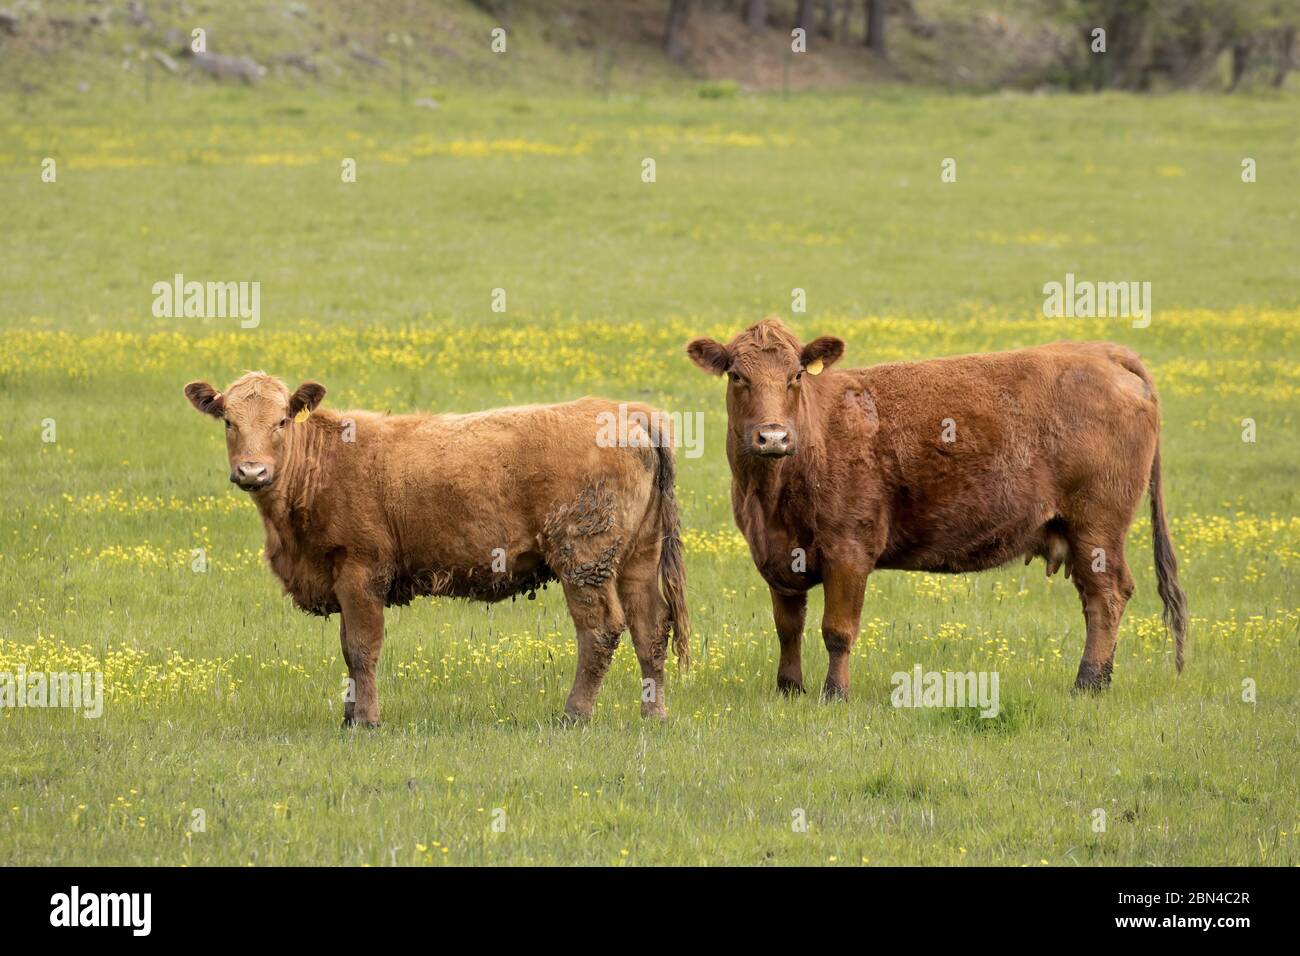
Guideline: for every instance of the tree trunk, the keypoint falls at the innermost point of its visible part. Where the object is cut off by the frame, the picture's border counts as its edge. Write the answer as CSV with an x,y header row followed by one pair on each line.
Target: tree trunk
x,y
1240,61
756,15
1285,57
674,40
875,36
827,27
803,19
1122,63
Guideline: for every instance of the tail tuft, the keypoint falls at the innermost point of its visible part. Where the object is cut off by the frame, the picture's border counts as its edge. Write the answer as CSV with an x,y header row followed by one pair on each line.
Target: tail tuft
x,y
1171,593
672,567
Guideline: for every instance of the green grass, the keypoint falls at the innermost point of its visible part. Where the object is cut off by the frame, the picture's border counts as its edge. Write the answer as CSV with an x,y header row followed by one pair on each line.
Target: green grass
x,y
223,698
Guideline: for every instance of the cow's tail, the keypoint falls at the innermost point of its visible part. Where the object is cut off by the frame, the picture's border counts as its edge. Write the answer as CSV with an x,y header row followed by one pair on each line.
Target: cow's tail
x,y
672,567
1171,593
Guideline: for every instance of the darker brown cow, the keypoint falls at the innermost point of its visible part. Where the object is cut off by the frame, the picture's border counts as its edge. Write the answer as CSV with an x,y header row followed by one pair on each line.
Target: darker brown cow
x,y
363,510
951,465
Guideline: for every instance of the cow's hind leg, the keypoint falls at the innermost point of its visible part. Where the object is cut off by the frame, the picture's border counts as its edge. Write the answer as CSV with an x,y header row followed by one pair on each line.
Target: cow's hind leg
x,y
598,617
1102,578
646,612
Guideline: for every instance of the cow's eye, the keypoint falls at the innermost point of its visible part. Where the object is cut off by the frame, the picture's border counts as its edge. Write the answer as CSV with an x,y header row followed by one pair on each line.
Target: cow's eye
x,y
284,423
798,377
229,424
736,379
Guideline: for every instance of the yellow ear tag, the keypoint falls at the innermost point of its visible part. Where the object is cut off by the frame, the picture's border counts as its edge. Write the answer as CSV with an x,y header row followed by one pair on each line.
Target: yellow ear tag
x,y
302,416
815,367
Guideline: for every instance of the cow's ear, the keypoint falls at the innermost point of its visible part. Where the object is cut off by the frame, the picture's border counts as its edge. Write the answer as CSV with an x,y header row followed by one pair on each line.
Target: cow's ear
x,y
307,397
822,353
709,355
206,399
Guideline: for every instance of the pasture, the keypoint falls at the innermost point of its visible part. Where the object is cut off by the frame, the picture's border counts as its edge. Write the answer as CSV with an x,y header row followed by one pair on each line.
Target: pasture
x,y
220,697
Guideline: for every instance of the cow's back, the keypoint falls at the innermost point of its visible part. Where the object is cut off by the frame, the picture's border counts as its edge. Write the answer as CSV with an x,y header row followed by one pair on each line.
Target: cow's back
x,y
468,504
977,452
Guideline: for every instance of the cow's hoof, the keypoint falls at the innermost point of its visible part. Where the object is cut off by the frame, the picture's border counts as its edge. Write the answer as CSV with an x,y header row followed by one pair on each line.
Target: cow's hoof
x,y
1082,686
572,718
658,712
790,686
354,722
834,692
1092,678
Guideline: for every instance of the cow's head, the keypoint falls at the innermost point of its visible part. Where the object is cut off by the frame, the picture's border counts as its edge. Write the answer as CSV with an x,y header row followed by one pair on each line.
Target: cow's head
x,y
258,412
766,368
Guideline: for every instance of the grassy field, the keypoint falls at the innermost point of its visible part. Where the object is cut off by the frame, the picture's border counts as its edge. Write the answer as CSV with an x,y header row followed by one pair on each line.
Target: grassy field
x,y
222,698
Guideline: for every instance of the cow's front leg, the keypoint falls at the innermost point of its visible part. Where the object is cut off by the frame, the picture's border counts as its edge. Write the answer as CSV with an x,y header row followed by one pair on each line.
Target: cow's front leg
x,y
788,612
362,635
844,588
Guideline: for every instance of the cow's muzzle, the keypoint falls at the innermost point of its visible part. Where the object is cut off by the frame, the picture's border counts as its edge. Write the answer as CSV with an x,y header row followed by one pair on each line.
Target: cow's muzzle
x,y
771,440
251,475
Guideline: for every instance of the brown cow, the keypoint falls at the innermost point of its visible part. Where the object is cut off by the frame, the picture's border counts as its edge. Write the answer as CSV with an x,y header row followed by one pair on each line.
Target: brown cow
x,y
952,465
364,510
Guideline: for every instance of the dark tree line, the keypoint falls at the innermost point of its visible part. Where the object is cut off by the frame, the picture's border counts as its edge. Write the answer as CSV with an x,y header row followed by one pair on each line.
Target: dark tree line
x,y
1183,41
1179,41
824,18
